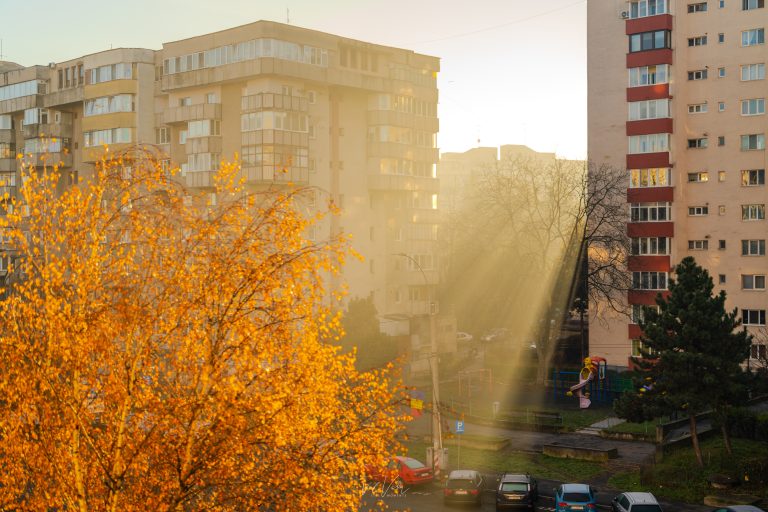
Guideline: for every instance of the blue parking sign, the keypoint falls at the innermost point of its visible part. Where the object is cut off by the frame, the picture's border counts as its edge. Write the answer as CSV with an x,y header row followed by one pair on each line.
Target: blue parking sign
x,y
459,427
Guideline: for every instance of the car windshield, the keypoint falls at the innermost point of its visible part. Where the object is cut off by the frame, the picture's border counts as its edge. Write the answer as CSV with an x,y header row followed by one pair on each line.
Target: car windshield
x,y
578,497
459,483
514,487
646,508
413,464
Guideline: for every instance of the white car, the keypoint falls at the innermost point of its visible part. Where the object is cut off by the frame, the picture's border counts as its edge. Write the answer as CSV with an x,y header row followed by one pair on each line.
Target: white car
x,y
635,502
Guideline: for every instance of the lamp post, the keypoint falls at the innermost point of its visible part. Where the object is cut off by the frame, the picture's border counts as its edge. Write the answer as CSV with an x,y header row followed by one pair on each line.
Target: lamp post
x,y
437,434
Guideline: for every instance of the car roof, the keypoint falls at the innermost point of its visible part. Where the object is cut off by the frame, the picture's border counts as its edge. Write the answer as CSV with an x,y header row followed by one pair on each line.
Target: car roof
x,y
641,498
744,508
462,474
511,477
575,488
403,458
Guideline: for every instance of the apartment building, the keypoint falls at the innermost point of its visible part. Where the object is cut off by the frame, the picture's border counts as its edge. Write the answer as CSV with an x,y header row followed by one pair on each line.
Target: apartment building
x,y
354,122
677,97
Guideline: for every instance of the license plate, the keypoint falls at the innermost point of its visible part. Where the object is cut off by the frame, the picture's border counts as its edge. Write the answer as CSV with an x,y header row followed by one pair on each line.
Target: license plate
x,y
461,492
512,496
577,507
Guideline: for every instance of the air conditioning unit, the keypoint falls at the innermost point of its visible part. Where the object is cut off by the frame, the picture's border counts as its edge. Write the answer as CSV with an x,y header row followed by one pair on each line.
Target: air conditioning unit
x,y
624,15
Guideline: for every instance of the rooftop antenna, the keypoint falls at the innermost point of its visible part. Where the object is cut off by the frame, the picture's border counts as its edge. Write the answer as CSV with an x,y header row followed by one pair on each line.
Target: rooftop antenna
x,y
2,55
288,16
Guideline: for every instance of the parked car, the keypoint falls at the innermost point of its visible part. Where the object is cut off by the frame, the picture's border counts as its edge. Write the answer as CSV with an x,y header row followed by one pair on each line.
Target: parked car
x,y
496,334
575,497
407,470
464,337
739,508
516,491
635,502
463,486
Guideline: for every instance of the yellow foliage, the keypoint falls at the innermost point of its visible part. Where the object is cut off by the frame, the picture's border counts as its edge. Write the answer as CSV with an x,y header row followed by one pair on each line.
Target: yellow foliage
x,y
166,355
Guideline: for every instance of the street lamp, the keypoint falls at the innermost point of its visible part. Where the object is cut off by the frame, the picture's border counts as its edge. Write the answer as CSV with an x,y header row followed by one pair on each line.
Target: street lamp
x,y
437,435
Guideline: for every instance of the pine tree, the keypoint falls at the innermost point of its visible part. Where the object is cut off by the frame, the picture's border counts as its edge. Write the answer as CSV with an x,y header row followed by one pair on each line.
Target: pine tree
x,y
693,355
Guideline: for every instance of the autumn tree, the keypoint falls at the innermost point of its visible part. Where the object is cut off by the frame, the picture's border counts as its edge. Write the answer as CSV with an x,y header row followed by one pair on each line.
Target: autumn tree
x,y
693,353
164,351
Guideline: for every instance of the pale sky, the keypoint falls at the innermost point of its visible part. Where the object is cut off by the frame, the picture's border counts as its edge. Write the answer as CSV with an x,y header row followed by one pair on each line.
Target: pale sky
x,y
512,71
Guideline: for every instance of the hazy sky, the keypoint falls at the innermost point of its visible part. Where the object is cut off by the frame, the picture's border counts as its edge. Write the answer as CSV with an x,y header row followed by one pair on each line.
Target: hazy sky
x,y
512,71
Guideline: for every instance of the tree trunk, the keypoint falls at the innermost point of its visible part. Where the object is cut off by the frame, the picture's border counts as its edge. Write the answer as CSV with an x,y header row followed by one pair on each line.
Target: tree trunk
x,y
726,438
695,439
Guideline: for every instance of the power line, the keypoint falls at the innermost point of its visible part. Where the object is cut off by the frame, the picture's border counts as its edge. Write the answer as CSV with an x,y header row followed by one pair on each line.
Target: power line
x,y
506,24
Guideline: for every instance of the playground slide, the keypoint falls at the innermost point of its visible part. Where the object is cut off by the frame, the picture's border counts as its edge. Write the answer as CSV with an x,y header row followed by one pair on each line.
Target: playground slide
x,y
584,402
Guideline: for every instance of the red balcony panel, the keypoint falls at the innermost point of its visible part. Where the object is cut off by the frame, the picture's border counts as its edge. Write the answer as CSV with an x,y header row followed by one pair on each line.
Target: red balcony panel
x,y
637,229
649,263
659,22
650,194
648,92
648,160
649,58
647,126
634,331
644,297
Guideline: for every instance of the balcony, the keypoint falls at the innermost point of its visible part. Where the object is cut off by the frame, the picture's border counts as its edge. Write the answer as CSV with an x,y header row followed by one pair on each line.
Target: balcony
x,y
268,100
649,263
186,113
649,58
200,179
63,97
61,130
397,182
648,160
648,92
8,165
649,126
210,144
267,176
640,229
39,160
649,23
650,194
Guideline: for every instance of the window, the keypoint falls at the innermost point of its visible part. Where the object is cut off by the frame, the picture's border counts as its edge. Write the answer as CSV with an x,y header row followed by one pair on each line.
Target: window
x,y
698,177
753,281
755,141
753,316
638,312
721,209
752,72
721,140
649,280
720,37
697,108
642,178
182,136
721,278
698,143
699,74
753,37
185,102
759,352
649,75
211,98
649,41
643,8
747,5
721,72
109,105
650,109
101,137
753,107
721,106
698,211
311,97
163,135
121,71
650,212
721,245
203,128
753,212
722,4
721,176
697,41
653,143
697,7
698,245
649,246
753,247
752,177
639,349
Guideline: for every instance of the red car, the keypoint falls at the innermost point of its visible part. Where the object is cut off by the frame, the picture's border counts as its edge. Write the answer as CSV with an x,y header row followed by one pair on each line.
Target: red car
x,y
408,470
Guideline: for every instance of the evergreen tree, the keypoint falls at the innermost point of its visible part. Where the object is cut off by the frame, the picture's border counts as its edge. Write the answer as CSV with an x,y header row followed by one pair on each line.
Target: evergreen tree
x,y
692,354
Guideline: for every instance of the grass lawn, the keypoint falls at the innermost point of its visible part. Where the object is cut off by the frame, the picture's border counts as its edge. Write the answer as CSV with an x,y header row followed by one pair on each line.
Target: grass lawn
x,y
648,427
678,477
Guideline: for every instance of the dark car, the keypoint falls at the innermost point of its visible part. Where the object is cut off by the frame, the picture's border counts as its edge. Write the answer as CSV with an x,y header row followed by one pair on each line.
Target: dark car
x,y
516,491
463,486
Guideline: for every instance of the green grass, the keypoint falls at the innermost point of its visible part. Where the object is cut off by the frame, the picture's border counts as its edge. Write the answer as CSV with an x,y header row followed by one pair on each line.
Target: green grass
x,y
648,427
678,476
506,460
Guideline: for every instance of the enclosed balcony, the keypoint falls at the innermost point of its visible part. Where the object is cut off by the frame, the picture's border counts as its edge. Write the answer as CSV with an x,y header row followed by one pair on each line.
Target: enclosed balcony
x,y
186,113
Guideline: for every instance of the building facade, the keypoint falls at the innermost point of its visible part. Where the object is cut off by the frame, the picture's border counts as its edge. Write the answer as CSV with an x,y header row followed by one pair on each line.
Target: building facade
x,y
676,93
354,122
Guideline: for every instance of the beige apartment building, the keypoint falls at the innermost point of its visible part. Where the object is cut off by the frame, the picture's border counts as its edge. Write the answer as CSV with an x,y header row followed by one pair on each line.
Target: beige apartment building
x,y
677,97
355,121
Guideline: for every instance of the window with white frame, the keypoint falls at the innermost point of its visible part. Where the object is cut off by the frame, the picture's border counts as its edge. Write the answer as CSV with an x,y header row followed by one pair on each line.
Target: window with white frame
x,y
650,246
697,74
650,212
649,109
753,37
101,137
753,107
753,141
753,281
6,122
747,5
699,143
654,40
752,72
752,177
163,135
697,7
753,316
753,247
653,177
109,105
649,280
697,108
643,8
698,211
203,128
698,245
649,75
697,41
753,212
759,352
120,71
698,177
651,143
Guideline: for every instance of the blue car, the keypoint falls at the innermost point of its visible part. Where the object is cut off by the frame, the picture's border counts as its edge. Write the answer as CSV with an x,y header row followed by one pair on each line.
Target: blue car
x,y
575,497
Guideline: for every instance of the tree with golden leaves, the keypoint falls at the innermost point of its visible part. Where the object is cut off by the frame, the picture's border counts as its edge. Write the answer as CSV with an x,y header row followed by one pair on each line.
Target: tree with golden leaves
x,y
163,351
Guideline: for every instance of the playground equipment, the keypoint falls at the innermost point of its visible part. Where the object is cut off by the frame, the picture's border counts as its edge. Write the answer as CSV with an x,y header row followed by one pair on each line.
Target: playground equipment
x,y
594,367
